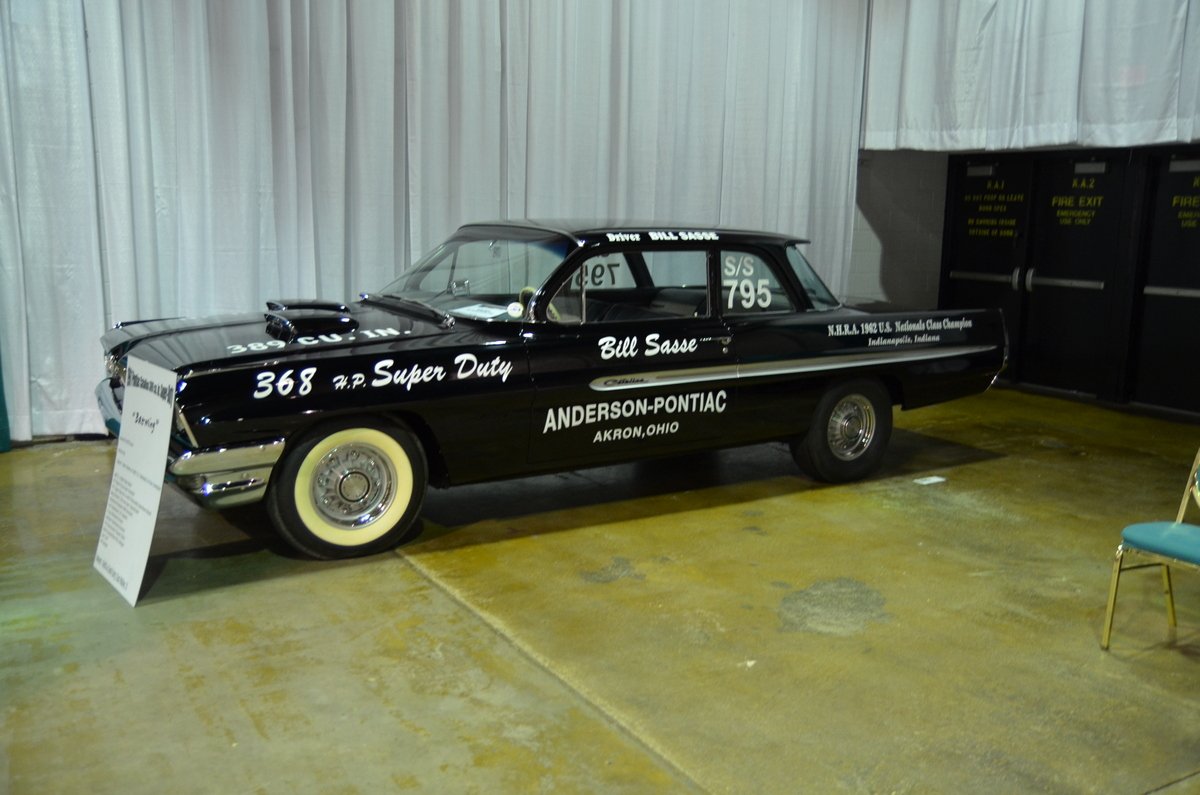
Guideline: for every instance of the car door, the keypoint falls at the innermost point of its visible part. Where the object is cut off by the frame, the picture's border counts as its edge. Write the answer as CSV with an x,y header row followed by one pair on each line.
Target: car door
x,y
772,327
631,360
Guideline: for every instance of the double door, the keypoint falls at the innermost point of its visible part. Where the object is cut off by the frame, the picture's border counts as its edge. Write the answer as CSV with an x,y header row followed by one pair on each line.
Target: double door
x,y
1167,300
1093,257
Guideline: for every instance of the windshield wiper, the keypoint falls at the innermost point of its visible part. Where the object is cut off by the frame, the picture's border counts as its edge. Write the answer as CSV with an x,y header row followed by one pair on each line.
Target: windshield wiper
x,y
443,319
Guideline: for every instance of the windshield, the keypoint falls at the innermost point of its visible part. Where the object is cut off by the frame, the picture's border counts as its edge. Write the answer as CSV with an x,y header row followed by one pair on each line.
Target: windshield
x,y
483,273
818,294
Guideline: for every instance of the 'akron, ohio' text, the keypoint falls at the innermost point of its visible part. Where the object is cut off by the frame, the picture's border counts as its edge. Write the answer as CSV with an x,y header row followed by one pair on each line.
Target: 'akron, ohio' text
x,y
564,417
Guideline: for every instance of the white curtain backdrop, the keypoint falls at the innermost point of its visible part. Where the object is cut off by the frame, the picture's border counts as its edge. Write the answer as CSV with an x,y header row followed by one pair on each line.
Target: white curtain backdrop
x,y
199,156
1012,74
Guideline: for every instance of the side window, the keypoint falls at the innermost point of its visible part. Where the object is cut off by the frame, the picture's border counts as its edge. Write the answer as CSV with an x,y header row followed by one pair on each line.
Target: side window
x,y
749,285
677,268
497,268
680,281
818,294
607,271
635,284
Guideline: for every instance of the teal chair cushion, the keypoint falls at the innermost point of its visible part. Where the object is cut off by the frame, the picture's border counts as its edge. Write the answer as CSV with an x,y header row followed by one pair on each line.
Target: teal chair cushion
x,y
1179,541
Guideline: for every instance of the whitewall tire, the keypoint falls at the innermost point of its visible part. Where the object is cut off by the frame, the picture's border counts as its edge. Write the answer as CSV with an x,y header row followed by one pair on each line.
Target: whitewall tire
x,y
349,488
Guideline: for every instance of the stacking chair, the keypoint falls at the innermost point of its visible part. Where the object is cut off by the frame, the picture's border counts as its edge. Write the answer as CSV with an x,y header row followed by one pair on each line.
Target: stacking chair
x,y
1162,544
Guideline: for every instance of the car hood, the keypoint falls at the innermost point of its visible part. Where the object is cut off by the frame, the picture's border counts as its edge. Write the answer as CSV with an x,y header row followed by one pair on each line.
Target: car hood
x,y
286,327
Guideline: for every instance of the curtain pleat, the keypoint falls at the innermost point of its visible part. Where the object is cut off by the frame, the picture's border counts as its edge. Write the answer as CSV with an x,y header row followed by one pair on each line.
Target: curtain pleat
x,y
201,156
1015,74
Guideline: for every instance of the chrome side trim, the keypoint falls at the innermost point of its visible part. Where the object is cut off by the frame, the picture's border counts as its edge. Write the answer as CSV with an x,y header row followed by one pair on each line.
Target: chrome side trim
x,y
766,369
694,375
858,360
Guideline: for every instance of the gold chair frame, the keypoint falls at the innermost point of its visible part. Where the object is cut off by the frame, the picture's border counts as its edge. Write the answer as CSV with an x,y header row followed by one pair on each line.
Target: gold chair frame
x,y
1146,559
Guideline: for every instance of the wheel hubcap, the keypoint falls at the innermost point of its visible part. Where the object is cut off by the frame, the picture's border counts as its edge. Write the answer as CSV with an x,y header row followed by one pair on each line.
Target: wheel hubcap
x,y
353,485
851,427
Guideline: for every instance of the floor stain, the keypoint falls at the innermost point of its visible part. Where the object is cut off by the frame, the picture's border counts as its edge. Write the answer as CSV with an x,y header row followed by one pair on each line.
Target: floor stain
x,y
619,569
832,607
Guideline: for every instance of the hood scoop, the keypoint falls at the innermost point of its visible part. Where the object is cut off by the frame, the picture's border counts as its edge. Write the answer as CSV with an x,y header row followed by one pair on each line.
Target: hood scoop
x,y
289,323
282,304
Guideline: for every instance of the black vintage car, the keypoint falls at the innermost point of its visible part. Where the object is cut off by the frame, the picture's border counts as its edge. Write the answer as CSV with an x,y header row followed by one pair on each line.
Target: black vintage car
x,y
518,348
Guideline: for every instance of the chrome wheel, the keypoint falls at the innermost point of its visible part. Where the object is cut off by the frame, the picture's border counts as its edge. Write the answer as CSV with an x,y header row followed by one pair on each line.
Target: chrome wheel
x,y
353,485
851,427
848,433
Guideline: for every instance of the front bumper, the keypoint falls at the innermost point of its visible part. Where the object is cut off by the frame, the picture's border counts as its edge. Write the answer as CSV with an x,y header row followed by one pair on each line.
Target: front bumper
x,y
215,477
110,405
220,477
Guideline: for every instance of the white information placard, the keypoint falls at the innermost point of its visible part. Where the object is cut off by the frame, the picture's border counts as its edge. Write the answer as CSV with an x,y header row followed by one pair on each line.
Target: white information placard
x,y
137,479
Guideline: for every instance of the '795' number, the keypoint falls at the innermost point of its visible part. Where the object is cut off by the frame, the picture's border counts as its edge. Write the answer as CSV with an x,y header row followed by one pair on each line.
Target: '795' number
x,y
738,273
283,384
749,294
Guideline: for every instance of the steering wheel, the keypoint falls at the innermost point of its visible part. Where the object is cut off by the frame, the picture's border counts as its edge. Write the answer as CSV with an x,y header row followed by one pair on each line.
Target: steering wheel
x,y
526,295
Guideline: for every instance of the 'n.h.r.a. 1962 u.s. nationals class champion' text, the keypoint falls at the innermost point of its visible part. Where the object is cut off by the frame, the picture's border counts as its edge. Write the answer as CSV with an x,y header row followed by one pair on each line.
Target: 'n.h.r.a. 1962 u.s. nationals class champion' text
x,y
516,348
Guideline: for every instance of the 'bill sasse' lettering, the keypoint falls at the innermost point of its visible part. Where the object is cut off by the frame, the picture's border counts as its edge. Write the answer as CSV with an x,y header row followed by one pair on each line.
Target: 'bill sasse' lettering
x,y
655,345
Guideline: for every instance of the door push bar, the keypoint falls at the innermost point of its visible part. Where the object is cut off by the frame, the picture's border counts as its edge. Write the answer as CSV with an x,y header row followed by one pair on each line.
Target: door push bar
x,y
1031,280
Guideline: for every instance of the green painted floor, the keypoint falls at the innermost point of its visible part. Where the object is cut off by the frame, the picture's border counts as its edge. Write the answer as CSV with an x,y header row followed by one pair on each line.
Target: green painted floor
x,y
715,623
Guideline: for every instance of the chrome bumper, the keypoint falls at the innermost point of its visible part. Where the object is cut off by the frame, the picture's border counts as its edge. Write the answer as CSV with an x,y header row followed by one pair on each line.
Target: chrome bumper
x,y
219,477
110,409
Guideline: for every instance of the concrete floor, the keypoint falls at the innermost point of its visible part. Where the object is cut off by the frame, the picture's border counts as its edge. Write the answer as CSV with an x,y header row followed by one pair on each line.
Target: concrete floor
x,y
715,623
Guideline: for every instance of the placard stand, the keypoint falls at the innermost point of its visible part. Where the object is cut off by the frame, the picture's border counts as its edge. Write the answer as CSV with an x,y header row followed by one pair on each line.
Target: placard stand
x,y
137,481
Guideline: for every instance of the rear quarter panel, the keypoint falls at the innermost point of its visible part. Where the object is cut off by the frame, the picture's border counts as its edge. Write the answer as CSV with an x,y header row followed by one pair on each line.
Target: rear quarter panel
x,y
787,362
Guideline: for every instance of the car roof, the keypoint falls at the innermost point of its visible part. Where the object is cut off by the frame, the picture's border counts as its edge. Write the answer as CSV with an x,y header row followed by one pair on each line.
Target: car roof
x,y
583,232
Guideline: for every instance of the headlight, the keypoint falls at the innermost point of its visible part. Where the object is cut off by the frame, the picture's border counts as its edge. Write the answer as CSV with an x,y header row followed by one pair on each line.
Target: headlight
x,y
115,367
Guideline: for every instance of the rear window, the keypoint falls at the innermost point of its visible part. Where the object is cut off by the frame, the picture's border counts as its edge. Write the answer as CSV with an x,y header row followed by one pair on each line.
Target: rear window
x,y
750,285
814,289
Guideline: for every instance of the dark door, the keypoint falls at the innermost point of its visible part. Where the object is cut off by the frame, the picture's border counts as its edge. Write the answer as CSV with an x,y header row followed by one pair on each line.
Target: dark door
x,y
1067,331
633,361
771,330
987,238
1169,302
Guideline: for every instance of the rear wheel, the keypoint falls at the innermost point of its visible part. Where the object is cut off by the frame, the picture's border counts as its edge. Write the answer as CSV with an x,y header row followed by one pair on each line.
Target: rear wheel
x,y
849,433
349,488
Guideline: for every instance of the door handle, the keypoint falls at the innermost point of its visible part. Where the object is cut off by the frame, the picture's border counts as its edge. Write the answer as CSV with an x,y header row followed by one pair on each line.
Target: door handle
x,y
1029,280
724,342
1016,279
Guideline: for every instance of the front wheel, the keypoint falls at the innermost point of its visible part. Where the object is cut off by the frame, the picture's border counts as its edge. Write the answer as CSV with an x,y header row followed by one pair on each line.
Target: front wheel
x,y
848,435
349,488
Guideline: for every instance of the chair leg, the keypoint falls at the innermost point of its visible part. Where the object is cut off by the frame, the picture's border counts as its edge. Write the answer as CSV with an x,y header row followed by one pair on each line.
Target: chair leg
x,y
1112,598
1166,575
